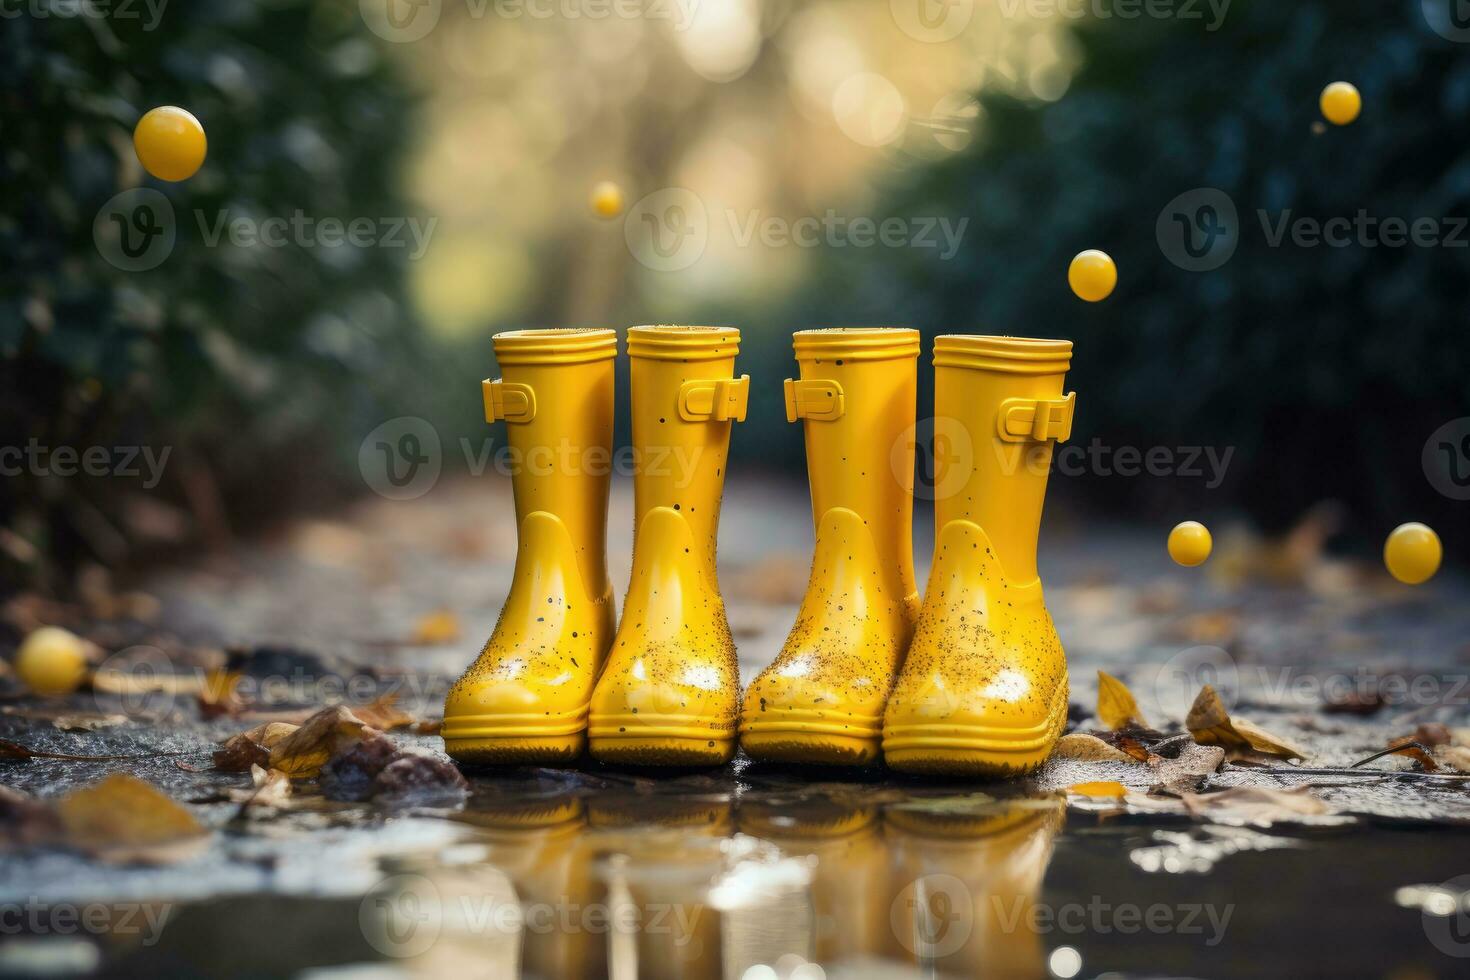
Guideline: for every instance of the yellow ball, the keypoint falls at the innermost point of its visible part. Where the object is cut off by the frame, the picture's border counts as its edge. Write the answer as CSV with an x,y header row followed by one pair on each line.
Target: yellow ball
x,y
170,143
1341,103
1190,544
52,661
607,200
1093,275
1412,553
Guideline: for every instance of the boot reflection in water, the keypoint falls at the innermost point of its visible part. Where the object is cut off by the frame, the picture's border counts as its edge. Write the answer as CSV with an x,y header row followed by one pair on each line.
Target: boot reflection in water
x,y
965,885
525,698
821,700
670,693
983,690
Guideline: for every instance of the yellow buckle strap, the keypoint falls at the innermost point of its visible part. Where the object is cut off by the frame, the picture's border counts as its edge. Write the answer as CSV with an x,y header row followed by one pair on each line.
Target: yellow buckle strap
x,y
508,400
718,400
820,400
1036,419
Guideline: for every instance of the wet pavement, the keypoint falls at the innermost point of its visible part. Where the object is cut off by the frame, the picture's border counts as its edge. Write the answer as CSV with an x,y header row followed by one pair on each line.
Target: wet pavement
x,y
758,872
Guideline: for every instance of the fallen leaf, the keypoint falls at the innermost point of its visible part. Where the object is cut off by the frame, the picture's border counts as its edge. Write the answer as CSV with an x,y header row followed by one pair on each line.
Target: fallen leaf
x,y
350,774
1457,757
416,776
1211,724
1433,734
124,819
436,628
1261,807
326,733
1116,707
252,748
1185,772
384,714
269,788
1406,747
219,694
25,820
88,722
1088,748
1100,790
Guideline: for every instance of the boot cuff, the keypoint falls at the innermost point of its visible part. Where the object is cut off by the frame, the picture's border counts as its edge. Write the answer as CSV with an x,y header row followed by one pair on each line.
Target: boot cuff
x,y
663,343
1006,355
856,343
572,346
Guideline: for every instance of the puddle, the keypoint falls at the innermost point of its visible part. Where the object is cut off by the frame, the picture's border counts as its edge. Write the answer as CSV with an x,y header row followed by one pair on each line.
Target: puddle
x,y
755,875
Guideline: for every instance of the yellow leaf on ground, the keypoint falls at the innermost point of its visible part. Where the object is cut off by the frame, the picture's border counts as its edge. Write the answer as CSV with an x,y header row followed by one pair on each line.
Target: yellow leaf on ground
x,y
124,818
1103,790
384,713
1211,724
1116,707
303,752
252,748
435,628
1089,748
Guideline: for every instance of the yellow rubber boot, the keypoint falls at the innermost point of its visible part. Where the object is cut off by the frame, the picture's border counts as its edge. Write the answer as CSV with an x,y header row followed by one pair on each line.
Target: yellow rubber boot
x,y
821,700
670,693
983,690
525,699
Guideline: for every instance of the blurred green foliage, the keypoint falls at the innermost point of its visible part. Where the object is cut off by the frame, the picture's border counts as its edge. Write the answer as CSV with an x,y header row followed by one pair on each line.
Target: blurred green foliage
x,y
232,356
1327,369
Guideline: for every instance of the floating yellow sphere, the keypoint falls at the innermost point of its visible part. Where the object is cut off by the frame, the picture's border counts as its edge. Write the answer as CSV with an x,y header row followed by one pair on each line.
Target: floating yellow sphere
x,y
1412,553
607,200
1190,543
1341,103
1093,275
170,143
52,661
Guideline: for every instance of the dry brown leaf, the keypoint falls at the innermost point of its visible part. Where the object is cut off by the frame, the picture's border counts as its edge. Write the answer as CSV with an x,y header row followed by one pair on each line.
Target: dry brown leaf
x,y
1211,724
1406,747
269,788
1116,707
219,695
326,733
1088,748
123,818
1457,757
383,714
252,748
1185,772
88,721
1260,807
436,628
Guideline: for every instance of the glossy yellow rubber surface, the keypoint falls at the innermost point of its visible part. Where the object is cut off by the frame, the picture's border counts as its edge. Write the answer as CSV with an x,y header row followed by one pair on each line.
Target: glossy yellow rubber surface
x,y
525,698
821,700
983,690
669,695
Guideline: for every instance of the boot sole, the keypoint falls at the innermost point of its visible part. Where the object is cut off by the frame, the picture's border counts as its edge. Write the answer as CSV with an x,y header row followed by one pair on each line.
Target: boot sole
x,y
516,740
974,750
807,737
659,740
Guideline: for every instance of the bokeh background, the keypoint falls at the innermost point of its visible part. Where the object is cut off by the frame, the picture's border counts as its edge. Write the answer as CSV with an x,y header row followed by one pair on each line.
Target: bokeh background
x,y
1030,129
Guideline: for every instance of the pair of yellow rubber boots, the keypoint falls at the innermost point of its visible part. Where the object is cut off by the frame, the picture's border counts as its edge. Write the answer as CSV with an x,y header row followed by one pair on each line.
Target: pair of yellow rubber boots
x,y
971,681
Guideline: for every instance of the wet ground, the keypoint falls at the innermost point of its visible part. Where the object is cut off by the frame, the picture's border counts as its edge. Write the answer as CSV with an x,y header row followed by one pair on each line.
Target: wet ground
x,y
749,871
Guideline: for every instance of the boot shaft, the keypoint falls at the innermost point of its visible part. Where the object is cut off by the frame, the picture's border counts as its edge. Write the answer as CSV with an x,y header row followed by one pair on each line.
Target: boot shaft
x,y
999,410
857,395
684,398
555,394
